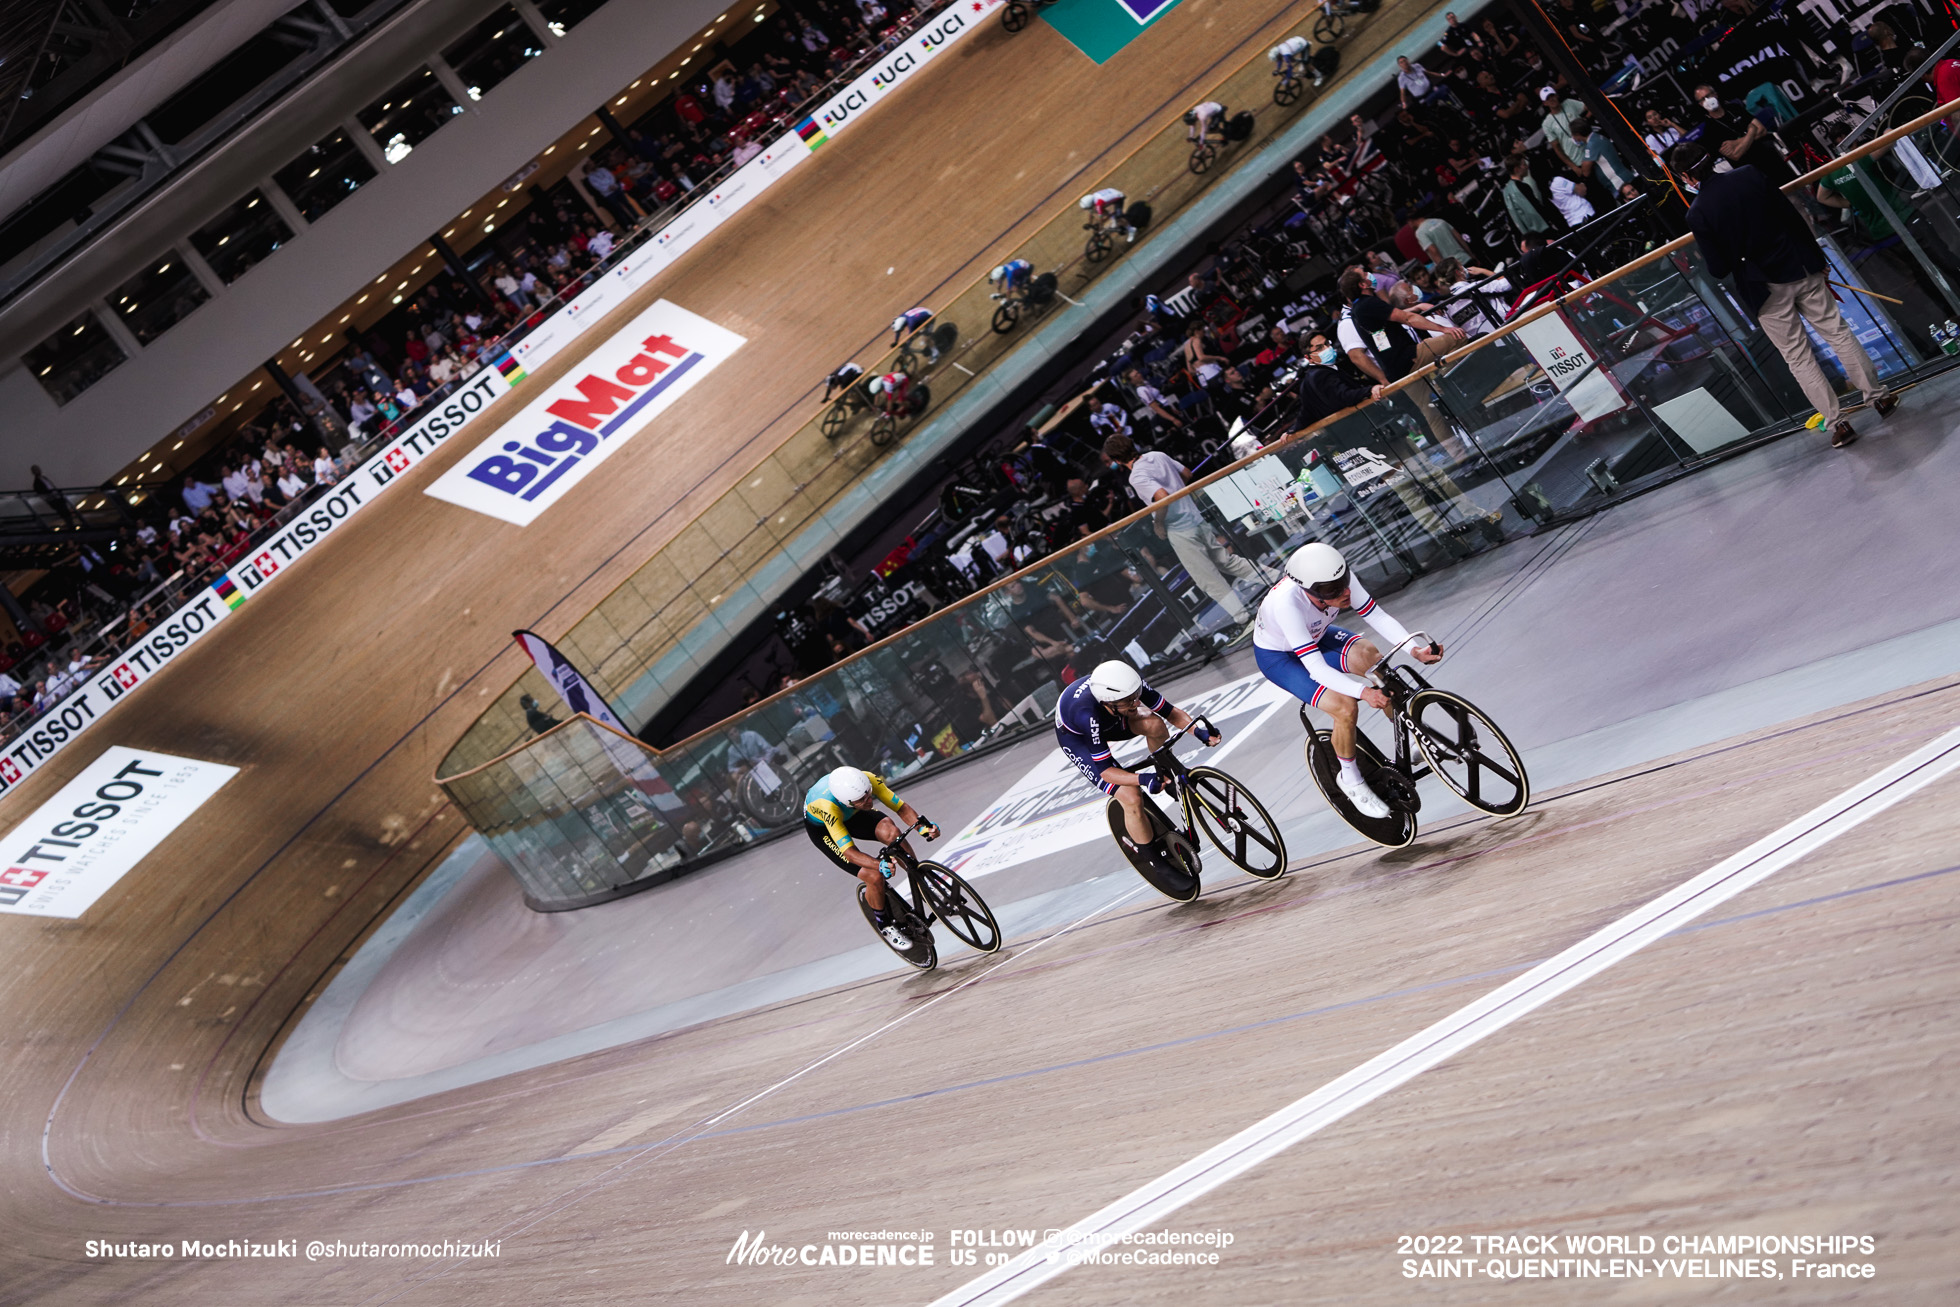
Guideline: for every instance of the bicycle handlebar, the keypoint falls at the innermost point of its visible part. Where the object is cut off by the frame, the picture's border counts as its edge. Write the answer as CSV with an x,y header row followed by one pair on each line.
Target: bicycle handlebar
x,y
1410,641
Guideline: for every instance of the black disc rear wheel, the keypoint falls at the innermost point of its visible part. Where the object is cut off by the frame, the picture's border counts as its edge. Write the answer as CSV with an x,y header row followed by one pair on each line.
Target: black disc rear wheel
x,y
959,907
1175,875
922,954
1396,830
1236,823
1468,753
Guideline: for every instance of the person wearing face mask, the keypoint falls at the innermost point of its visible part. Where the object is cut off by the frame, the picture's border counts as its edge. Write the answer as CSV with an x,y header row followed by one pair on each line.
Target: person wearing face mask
x,y
1746,226
1324,391
1727,130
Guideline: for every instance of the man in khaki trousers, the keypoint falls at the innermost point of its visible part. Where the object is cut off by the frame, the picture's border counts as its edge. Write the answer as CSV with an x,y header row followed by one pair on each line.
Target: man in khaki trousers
x,y
1745,225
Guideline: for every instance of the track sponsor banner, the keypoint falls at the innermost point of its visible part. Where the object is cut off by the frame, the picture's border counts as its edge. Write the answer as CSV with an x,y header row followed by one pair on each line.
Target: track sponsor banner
x,y
196,617
577,423
1590,389
72,848
1053,807
893,70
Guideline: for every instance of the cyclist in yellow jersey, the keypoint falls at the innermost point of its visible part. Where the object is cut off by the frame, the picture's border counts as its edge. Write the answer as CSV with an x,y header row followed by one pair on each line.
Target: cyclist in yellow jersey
x,y
837,813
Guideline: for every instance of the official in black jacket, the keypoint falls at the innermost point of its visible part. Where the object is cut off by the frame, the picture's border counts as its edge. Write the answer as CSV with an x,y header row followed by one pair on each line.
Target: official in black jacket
x,y
1744,225
1325,392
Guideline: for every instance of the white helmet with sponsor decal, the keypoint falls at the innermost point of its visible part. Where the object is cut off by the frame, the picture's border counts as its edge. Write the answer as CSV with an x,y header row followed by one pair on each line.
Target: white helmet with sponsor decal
x,y
1114,680
1319,569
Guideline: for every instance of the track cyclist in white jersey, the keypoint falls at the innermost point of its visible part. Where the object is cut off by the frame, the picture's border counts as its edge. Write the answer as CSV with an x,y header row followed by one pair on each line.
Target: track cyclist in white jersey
x,y
1299,649
1290,59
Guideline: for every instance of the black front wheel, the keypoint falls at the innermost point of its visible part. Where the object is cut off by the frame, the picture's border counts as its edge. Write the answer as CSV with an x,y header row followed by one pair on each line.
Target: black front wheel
x,y
884,430
1286,91
1468,753
1236,823
1175,872
1015,16
1098,246
1202,156
1007,316
835,419
1327,29
921,953
958,906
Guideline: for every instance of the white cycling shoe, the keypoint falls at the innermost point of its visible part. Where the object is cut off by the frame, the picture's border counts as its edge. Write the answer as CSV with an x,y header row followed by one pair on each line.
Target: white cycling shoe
x,y
901,941
1365,800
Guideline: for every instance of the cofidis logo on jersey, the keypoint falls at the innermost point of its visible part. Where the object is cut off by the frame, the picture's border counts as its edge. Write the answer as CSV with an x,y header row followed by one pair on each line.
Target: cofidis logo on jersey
x,y
579,421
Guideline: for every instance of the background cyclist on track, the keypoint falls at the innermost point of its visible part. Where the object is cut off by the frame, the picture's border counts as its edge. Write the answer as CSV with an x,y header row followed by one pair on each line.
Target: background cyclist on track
x,y
1106,206
1290,59
1010,277
1299,649
913,320
841,380
1204,120
1113,703
837,813
893,391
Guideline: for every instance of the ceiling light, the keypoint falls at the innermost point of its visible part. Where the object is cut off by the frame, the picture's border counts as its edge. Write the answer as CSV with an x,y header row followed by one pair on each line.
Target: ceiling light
x,y
223,239
548,150
398,299
165,268
257,384
254,203
178,445
620,100
315,173
347,317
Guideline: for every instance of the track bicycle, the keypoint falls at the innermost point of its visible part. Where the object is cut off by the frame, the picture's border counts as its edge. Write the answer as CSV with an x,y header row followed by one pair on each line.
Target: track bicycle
x,y
938,894
1017,14
1290,86
1459,745
844,410
1212,802
1332,22
1101,241
1038,294
922,348
884,427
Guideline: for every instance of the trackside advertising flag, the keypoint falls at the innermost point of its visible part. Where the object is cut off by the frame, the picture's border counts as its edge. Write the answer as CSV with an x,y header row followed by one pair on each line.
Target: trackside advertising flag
x,y
569,681
577,423
74,847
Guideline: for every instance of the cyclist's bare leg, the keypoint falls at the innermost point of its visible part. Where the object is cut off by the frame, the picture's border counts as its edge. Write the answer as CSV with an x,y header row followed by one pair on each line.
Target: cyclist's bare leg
x,y
1361,659
874,886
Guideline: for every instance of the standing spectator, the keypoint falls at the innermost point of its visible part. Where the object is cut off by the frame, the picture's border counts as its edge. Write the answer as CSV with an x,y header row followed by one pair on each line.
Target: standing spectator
x,y
1560,114
1440,240
1662,133
1414,83
1205,556
1739,137
1745,225
1525,201
605,188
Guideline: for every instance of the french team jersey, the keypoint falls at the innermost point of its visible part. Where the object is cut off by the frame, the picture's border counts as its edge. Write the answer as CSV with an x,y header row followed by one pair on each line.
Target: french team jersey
x,y
1290,622
822,806
1078,713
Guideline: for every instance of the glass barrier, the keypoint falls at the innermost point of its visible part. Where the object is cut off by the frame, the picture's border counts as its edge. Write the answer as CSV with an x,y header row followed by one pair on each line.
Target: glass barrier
x,y
1644,372
646,620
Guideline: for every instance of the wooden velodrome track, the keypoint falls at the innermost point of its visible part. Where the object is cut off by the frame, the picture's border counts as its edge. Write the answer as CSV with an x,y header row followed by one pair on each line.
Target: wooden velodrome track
x,y
132,1036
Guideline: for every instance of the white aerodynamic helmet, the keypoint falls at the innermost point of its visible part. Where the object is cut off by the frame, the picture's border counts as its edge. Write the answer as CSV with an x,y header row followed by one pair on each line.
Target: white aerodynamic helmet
x,y
849,784
1114,680
876,385
1086,202
998,273
1320,569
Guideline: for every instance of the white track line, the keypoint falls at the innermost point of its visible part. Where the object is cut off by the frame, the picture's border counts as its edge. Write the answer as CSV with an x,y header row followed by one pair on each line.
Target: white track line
x,y
1146,1206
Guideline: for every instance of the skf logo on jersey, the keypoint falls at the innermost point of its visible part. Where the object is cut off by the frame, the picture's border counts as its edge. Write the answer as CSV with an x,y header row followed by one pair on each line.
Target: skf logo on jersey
x,y
577,422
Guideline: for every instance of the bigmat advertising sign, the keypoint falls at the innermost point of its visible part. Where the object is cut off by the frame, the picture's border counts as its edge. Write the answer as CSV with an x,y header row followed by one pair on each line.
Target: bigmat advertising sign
x,y
72,848
580,421
194,620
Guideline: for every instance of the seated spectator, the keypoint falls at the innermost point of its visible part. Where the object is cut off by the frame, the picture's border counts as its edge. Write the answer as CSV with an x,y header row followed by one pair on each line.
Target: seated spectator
x,y
198,495
291,483
324,471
